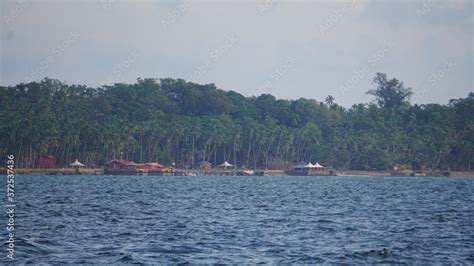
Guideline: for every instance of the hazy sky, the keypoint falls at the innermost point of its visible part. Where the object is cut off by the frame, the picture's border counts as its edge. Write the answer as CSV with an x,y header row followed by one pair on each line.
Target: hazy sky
x,y
289,49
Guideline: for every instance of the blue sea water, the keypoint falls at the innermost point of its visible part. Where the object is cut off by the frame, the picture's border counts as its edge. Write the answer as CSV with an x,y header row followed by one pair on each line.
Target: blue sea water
x,y
150,219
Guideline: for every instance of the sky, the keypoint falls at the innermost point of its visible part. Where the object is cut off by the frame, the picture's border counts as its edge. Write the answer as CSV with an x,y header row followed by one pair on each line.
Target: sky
x,y
290,49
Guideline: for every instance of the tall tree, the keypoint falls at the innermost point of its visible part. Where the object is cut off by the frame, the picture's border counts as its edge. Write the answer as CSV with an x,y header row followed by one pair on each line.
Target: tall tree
x,y
390,93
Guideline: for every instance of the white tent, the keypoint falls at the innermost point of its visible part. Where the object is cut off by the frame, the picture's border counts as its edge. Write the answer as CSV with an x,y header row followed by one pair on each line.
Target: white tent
x,y
226,164
76,163
303,166
317,165
308,166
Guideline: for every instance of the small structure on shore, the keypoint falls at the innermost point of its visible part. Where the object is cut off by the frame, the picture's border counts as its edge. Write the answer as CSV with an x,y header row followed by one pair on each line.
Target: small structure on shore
x,y
77,164
309,169
120,165
47,162
154,168
204,165
226,165
150,166
309,166
128,167
319,167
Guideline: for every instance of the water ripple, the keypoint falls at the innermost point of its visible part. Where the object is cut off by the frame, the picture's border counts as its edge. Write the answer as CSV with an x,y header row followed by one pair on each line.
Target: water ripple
x,y
243,220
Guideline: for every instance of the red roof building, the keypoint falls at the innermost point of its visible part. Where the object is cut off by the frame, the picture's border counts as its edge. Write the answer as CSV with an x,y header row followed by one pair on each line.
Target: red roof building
x,y
204,165
127,167
150,166
47,162
120,164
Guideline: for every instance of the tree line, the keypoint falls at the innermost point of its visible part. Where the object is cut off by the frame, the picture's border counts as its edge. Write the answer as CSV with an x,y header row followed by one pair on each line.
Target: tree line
x,y
175,121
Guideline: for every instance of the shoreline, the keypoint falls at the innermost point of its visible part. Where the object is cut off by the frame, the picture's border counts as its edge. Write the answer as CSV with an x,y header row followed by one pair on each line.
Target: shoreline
x,y
218,172
406,174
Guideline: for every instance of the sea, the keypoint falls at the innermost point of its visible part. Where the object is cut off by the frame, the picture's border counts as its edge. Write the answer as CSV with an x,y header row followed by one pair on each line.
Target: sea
x,y
240,220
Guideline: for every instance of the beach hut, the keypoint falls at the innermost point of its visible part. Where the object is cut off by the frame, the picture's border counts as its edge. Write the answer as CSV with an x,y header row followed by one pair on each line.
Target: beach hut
x,y
47,162
77,164
204,165
308,166
120,164
150,166
299,166
225,165
318,166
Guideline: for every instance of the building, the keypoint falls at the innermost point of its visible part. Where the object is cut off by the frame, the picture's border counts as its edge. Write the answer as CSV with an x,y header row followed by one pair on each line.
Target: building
x,y
204,165
309,166
128,167
47,162
154,168
120,165
150,166
309,169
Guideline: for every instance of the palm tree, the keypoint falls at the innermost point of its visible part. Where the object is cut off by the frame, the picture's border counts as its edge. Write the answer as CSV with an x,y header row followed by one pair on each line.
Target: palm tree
x,y
329,100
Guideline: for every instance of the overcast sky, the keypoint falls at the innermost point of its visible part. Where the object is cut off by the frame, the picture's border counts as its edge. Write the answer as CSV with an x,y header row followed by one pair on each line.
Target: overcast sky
x,y
289,49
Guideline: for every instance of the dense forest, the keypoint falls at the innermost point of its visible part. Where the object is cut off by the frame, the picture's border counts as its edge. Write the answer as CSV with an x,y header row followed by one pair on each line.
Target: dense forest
x,y
174,121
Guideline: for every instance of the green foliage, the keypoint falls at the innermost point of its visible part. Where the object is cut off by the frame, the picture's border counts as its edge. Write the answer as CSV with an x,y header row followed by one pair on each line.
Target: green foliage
x,y
390,93
171,120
